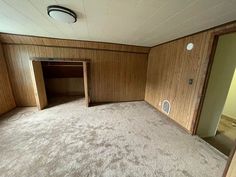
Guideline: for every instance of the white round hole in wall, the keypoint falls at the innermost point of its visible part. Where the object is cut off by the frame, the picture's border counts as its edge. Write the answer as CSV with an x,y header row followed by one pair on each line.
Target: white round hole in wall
x,y
190,46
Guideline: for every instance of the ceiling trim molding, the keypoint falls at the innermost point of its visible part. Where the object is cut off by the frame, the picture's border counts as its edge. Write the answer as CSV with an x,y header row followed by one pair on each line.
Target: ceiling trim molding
x,y
18,39
214,29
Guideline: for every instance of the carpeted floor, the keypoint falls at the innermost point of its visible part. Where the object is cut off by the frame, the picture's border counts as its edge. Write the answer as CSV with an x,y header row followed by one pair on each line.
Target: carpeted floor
x,y
122,139
225,137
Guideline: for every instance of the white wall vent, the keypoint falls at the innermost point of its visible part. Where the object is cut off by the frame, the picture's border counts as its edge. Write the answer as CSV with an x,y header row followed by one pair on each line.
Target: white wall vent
x,y
165,106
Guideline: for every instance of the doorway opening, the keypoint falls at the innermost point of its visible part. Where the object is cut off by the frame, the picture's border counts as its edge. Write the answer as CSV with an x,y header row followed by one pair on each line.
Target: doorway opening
x,y
59,81
63,81
217,123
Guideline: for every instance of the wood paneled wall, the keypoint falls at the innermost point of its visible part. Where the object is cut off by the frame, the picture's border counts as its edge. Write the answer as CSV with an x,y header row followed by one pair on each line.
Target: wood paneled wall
x,y
7,101
115,75
170,66
38,84
54,42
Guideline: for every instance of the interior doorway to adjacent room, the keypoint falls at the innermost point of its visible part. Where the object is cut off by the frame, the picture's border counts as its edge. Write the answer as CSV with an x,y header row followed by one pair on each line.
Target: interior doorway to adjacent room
x,y
217,124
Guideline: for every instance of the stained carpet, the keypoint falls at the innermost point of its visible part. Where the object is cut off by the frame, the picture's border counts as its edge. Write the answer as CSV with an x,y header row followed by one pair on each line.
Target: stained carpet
x,y
128,139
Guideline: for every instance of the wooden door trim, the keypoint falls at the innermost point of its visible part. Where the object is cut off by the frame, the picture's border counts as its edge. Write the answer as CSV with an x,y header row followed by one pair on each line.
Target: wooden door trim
x,y
38,84
232,153
211,53
86,85
41,104
195,123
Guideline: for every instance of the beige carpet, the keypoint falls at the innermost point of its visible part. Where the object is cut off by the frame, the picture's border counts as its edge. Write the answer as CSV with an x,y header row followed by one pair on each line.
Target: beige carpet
x,y
122,139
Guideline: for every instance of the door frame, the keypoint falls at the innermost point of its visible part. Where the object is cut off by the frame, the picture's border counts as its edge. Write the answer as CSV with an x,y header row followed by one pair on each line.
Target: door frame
x,y
211,51
39,84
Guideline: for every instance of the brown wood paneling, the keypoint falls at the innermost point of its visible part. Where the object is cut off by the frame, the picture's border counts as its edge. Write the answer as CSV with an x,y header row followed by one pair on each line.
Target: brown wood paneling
x,y
170,66
38,84
86,90
169,69
213,35
114,76
44,41
17,60
7,101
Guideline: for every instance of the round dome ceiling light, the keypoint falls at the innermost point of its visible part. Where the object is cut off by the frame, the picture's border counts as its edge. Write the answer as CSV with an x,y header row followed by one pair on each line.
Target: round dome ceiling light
x,y
62,14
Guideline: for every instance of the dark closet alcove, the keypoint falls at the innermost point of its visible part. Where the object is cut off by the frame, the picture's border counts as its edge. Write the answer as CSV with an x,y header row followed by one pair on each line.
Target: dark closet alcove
x,y
63,81
59,81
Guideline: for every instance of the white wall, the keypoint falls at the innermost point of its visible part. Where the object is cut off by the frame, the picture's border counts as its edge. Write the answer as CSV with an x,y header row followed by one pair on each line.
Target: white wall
x,y
218,86
230,104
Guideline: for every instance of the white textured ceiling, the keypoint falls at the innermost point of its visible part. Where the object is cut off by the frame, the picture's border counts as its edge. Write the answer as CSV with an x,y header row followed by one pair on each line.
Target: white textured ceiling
x,y
137,22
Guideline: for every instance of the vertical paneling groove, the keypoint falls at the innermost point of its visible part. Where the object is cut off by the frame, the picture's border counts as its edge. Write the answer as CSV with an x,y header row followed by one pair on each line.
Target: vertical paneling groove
x,y
7,101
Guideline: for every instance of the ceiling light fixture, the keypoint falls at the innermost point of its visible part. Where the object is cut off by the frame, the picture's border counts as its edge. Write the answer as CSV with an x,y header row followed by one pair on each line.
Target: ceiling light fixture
x,y
62,14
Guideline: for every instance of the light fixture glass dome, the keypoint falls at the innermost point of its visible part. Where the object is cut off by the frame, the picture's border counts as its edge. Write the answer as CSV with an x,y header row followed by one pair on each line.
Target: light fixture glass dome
x,y
62,14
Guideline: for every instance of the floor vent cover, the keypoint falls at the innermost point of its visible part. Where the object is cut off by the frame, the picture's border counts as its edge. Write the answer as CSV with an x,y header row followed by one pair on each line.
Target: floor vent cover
x,y
166,106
